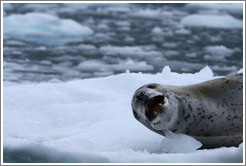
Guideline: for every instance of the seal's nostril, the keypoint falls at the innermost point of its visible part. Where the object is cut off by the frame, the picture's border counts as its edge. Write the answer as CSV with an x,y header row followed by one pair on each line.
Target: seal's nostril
x,y
151,86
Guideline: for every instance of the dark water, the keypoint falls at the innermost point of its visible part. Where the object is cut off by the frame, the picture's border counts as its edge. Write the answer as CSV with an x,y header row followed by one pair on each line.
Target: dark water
x,y
159,37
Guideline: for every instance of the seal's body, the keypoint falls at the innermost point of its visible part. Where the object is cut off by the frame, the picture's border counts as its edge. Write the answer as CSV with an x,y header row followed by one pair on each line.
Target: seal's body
x,y
211,112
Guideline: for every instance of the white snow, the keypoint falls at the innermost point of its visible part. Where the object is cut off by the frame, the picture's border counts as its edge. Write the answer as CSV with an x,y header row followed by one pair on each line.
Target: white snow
x,y
212,21
91,120
44,28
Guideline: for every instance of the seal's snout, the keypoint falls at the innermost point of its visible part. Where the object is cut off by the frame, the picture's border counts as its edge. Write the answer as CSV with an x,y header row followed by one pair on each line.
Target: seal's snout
x,y
147,103
154,106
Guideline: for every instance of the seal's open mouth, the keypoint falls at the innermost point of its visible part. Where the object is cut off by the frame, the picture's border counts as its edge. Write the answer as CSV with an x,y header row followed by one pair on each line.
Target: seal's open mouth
x,y
154,106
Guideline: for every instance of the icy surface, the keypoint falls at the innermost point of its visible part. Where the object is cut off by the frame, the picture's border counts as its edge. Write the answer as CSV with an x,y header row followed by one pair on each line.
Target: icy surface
x,y
179,143
212,21
44,28
91,120
218,50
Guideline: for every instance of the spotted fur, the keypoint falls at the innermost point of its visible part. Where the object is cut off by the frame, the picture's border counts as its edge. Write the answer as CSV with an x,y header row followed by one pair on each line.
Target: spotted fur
x,y
211,112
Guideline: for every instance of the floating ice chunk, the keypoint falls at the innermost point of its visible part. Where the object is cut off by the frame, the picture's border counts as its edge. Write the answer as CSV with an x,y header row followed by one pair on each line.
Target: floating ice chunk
x,y
93,65
157,30
216,38
103,36
131,51
191,55
234,8
212,21
46,62
214,58
129,39
179,143
100,66
44,28
41,7
182,32
103,27
132,66
170,45
118,9
151,14
74,8
123,25
14,43
115,50
86,47
171,53
219,50
41,48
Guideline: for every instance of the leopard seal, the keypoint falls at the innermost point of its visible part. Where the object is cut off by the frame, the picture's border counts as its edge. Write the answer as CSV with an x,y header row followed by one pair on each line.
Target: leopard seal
x,y
211,111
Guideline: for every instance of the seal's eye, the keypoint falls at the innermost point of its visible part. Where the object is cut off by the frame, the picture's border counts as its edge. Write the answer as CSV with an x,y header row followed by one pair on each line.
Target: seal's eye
x,y
151,86
154,106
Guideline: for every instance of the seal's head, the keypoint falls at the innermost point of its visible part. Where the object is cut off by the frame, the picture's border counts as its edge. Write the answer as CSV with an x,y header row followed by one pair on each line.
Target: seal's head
x,y
155,107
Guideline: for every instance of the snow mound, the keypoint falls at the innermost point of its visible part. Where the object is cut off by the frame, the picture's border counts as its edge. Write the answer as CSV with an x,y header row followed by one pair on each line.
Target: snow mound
x,y
212,21
44,28
91,120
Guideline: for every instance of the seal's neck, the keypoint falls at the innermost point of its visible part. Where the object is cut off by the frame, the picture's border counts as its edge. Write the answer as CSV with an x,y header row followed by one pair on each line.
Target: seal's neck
x,y
180,115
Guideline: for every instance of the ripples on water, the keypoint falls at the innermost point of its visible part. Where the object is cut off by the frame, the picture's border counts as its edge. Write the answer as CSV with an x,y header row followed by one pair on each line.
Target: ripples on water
x,y
138,37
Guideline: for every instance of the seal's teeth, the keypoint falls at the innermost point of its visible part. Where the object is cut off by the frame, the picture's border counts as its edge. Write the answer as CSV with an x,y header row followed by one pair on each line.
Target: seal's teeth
x,y
160,104
164,100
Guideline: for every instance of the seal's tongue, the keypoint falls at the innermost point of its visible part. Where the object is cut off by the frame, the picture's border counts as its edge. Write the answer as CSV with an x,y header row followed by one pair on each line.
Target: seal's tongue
x,y
154,106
